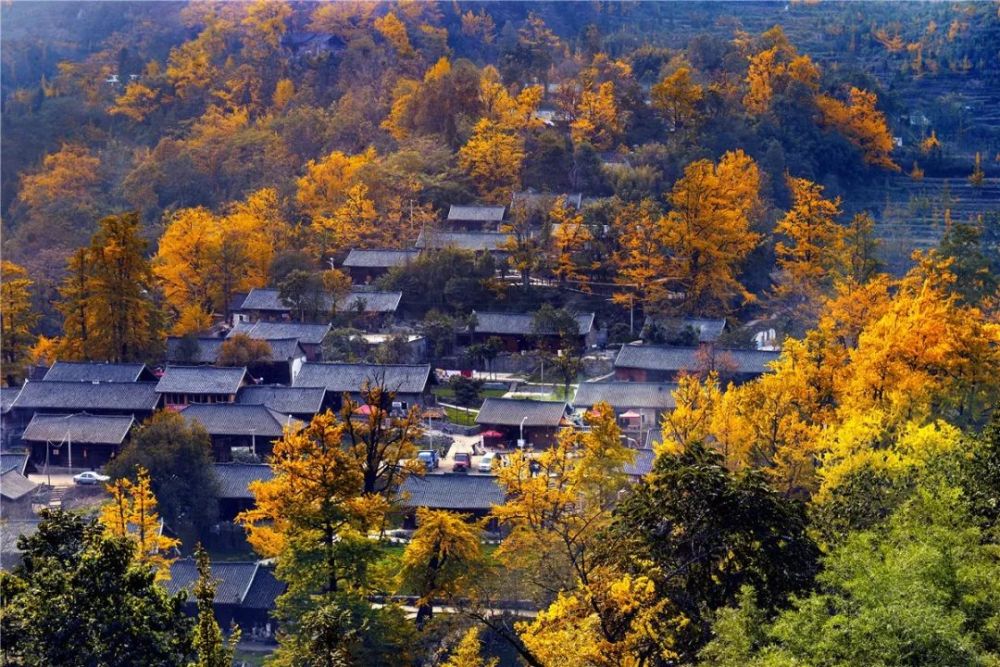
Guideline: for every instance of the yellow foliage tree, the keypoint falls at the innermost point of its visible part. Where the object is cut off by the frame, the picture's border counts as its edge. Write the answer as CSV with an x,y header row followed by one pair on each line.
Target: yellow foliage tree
x,y
326,183
708,231
493,158
640,259
597,118
810,254
569,240
137,102
443,558
677,97
467,653
132,513
17,320
862,124
394,32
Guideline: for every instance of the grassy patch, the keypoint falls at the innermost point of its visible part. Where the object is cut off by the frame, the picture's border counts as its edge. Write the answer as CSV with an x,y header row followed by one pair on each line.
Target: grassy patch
x,y
461,416
447,394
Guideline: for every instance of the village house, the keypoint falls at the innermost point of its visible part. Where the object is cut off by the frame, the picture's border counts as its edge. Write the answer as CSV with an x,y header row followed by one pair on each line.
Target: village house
x,y
475,242
245,594
309,336
78,440
475,495
475,218
546,200
652,363
233,486
699,329
266,305
303,403
14,460
89,371
7,396
16,494
639,406
135,399
278,368
517,331
522,421
183,385
235,427
367,266
409,382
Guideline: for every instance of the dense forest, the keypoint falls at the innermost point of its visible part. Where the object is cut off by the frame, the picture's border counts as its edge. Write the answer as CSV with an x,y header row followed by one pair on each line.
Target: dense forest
x,y
827,170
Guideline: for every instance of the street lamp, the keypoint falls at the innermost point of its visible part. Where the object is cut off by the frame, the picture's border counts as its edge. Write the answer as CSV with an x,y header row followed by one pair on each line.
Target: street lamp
x,y
523,419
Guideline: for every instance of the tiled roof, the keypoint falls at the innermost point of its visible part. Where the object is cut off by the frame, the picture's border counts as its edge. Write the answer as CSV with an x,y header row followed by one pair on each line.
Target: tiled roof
x,y
283,349
626,395
653,438
207,350
235,419
370,301
676,359
547,199
7,396
82,371
523,324
642,464
270,300
401,378
81,427
708,330
308,334
379,259
234,478
12,529
83,396
233,579
476,213
200,380
13,461
476,241
14,485
452,492
510,412
298,400
264,590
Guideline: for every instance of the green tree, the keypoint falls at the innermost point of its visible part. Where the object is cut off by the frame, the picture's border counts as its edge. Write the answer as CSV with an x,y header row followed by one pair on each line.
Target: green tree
x,y
962,244
79,597
700,532
178,456
212,649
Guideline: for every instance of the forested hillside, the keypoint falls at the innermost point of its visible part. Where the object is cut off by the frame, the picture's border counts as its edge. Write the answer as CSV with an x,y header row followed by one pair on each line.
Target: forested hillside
x,y
373,113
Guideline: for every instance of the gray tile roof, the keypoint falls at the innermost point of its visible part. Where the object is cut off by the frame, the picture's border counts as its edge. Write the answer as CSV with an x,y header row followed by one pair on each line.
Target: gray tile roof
x,y
401,378
307,334
677,359
475,241
14,485
370,301
234,478
476,213
236,419
233,579
81,371
452,492
510,412
264,590
625,395
208,350
85,396
379,259
81,427
298,400
653,438
200,380
7,396
283,349
13,461
708,330
269,300
642,464
547,199
522,324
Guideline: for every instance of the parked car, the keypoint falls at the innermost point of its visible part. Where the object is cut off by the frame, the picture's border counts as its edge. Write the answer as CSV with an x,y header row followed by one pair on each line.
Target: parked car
x,y
463,462
429,457
90,477
486,463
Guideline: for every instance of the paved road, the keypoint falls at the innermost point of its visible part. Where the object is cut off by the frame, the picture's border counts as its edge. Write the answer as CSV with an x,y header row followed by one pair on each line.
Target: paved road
x,y
58,479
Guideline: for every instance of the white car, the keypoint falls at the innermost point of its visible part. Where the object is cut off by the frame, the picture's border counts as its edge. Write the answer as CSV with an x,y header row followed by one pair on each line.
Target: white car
x,y
486,462
90,477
